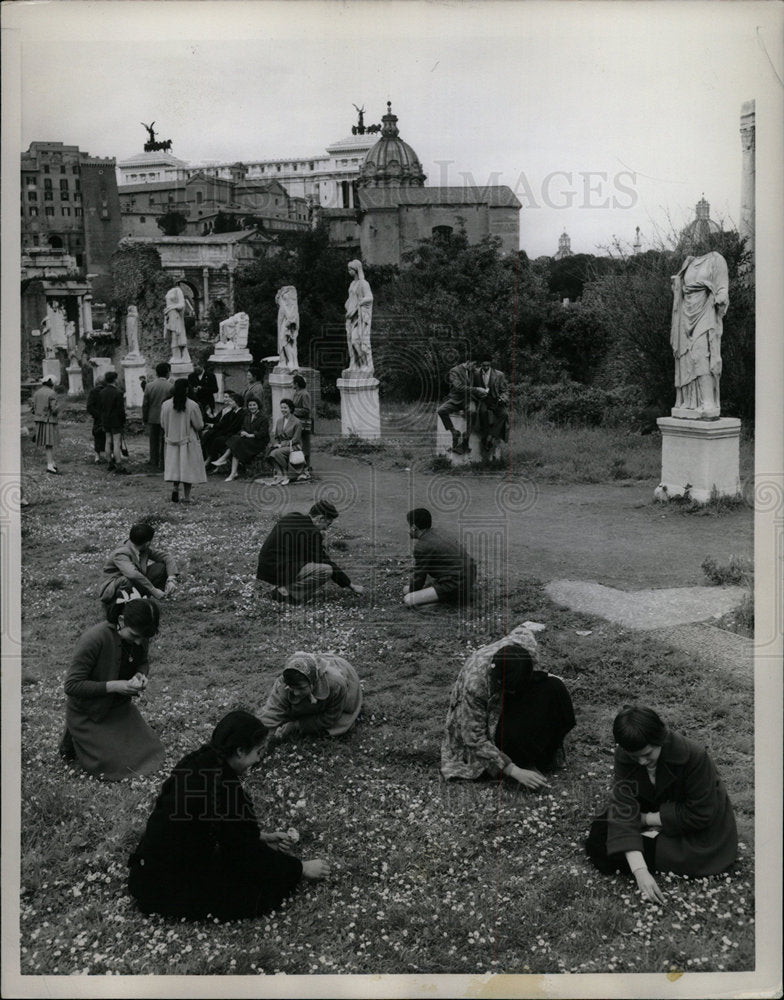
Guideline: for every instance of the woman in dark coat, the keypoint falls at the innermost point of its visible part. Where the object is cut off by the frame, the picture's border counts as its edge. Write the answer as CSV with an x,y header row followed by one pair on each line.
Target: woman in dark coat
x,y
669,809
202,852
250,442
228,423
104,731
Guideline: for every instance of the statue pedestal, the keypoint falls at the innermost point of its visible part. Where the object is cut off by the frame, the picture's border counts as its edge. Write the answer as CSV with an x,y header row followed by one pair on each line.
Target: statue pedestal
x,y
75,384
282,386
230,369
101,366
134,368
705,454
360,415
444,442
182,364
51,368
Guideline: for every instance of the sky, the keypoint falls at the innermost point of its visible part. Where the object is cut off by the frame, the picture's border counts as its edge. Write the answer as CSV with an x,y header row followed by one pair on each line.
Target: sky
x,y
601,117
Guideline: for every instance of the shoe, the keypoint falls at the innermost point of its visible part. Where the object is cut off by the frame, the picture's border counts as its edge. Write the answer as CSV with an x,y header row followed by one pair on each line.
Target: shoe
x,y
97,459
53,472
283,482
110,467
217,465
303,477
230,479
175,496
457,449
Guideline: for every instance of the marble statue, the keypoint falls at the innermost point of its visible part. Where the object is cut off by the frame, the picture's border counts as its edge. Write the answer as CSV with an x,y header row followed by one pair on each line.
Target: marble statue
x,y
700,300
288,327
72,341
233,333
132,332
174,319
359,315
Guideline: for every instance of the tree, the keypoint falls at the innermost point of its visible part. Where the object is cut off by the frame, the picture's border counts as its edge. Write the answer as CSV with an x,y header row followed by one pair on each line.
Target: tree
x,y
172,223
139,279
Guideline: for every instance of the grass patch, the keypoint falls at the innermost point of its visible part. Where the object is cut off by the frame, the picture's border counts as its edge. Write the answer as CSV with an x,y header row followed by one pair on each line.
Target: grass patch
x,y
428,877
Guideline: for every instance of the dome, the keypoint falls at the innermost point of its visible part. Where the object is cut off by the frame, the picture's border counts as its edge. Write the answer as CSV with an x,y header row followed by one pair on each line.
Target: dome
x,y
391,162
699,230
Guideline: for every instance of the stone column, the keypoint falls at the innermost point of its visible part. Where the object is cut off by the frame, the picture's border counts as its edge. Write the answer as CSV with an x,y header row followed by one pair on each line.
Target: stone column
x,y
134,370
75,384
282,387
360,415
703,455
87,314
747,140
205,277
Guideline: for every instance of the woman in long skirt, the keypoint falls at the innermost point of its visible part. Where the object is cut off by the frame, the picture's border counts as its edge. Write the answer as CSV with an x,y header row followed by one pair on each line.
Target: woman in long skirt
x,y
181,420
44,407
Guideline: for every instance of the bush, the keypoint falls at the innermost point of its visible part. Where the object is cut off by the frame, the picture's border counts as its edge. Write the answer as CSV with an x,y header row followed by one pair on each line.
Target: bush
x,y
576,405
739,570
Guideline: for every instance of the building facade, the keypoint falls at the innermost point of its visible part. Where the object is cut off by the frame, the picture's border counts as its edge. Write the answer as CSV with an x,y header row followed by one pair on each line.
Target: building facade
x,y
69,202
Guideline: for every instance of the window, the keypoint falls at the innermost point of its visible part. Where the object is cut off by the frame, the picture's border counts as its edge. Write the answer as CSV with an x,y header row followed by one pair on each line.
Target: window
x,y
63,183
311,166
62,170
66,211
33,210
48,196
64,196
47,183
142,218
77,211
77,196
32,196
152,201
199,197
46,168
75,169
49,210
77,185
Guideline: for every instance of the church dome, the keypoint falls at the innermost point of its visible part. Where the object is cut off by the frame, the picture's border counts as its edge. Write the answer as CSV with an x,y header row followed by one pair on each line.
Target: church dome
x,y
700,229
391,162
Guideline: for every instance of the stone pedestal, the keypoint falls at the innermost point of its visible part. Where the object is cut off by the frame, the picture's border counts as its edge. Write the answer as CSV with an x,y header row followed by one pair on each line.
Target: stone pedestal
x,y
75,384
282,387
444,442
101,366
135,369
182,365
230,369
51,368
703,454
360,415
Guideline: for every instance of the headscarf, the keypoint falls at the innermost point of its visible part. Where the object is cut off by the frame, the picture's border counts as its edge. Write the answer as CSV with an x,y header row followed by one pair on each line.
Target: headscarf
x,y
307,665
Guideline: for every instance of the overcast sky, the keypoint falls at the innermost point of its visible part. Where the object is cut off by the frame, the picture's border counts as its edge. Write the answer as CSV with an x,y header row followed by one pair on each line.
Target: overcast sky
x,y
645,98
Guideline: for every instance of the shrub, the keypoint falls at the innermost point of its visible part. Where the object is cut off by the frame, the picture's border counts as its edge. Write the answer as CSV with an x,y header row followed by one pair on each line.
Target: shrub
x,y
739,570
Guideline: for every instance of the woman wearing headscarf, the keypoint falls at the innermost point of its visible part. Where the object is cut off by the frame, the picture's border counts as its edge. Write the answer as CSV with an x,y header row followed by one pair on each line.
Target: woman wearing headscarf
x,y
504,716
669,810
104,731
182,421
202,853
317,693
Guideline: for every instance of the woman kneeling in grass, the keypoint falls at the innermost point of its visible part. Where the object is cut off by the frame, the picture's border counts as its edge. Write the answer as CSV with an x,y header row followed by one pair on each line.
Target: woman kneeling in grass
x,y
202,853
669,809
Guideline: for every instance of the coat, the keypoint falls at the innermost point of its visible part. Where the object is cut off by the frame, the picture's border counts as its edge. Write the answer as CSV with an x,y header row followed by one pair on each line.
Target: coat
x,y
110,738
126,561
156,393
44,405
443,559
294,541
698,834
94,405
245,449
463,385
303,409
111,405
468,748
336,710
288,433
202,388
201,852
182,460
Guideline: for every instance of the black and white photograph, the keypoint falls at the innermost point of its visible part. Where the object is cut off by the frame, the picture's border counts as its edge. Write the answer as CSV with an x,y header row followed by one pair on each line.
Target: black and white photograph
x,y
392,498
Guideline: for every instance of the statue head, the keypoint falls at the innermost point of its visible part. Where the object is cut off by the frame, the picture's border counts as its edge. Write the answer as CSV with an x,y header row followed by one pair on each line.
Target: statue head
x,y
133,311
355,268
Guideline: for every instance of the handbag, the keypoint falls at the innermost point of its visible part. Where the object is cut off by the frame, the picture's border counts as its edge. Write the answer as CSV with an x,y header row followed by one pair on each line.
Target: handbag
x,y
296,457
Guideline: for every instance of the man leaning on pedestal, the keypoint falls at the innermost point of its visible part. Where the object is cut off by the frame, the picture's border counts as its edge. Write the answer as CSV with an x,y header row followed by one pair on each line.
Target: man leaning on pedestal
x,y
464,391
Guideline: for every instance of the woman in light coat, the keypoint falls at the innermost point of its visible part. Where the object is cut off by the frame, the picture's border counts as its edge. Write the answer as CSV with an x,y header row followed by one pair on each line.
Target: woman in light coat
x,y
286,439
181,420
44,407
317,694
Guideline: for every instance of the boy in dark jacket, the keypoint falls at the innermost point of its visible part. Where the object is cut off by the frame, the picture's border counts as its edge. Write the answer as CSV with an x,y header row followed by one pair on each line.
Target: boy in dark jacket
x,y
111,406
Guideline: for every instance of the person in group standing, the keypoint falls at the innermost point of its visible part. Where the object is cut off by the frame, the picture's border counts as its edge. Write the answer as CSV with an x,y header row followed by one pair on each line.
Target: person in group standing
x,y
249,443
202,388
469,749
183,464
135,568
202,853
105,733
155,395
294,559
254,388
440,557
44,407
492,410
93,407
286,441
318,694
464,392
112,407
303,411
669,810
226,424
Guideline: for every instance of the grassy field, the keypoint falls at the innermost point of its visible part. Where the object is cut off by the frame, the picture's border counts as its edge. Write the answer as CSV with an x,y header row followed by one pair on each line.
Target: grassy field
x,y
428,877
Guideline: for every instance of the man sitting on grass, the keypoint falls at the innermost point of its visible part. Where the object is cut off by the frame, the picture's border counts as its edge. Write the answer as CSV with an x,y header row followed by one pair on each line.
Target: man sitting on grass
x,y
294,559
440,557
135,566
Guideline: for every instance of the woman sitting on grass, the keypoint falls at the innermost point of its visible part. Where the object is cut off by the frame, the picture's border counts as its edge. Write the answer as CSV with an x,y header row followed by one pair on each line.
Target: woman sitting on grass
x,y
669,809
202,853
104,731
248,443
318,693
